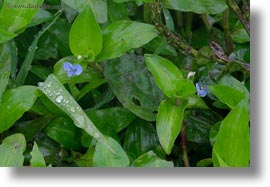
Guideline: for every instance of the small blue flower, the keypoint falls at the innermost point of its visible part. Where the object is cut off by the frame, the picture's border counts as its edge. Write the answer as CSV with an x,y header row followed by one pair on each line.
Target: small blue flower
x,y
200,92
71,69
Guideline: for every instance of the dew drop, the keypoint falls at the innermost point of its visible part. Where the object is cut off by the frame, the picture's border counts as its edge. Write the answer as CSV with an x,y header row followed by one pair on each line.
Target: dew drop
x,y
40,84
59,99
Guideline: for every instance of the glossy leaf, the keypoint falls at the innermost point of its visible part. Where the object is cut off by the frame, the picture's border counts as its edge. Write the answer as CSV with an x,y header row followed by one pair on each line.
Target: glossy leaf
x,y
5,67
86,160
115,118
133,85
232,146
197,6
213,133
85,37
58,94
230,91
169,123
15,103
14,18
150,159
11,151
140,138
168,77
63,131
199,123
122,36
105,158
37,159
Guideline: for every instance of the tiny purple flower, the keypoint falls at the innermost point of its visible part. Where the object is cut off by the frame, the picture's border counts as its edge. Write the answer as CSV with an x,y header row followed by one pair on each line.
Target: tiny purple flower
x,y
71,69
200,92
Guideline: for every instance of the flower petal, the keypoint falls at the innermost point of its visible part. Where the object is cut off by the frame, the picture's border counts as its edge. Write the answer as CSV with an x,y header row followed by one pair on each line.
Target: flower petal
x,y
67,66
70,73
77,69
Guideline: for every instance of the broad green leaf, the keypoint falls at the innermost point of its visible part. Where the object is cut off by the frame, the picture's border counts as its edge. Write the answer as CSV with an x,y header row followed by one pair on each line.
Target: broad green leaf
x,y
105,158
239,34
197,6
99,7
232,146
5,35
5,67
11,151
140,137
115,118
85,37
63,131
198,124
156,43
150,159
89,74
15,103
122,36
37,159
168,77
133,85
58,94
230,91
15,15
169,123
194,101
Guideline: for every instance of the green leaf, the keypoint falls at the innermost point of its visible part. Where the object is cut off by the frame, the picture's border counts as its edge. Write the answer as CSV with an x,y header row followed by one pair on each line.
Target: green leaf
x,y
197,6
32,127
122,36
133,85
199,123
116,118
168,77
99,7
239,34
41,16
5,35
15,15
205,162
11,151
63,131
150,159
105,158
230,91
58,94
86,160
169,123
232,146
37,159
140,137
15,103
85,37
5,67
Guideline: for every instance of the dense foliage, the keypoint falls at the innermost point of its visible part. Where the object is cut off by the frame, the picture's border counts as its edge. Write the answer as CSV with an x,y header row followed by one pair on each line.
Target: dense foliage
x,y
118,83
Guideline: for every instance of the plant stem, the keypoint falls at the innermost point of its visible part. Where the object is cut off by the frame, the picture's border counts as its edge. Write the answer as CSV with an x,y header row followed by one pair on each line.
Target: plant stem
x,y
184,144
206,22
228,40
239,14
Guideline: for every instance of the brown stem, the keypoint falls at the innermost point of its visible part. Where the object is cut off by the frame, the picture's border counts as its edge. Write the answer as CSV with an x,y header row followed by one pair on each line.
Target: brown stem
x,y
239,14
227,36
184,144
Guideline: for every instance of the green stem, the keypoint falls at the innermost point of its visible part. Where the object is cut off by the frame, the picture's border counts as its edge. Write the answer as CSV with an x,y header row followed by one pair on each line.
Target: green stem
x,y
189,25
206,22
26,66
228,40
239,14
